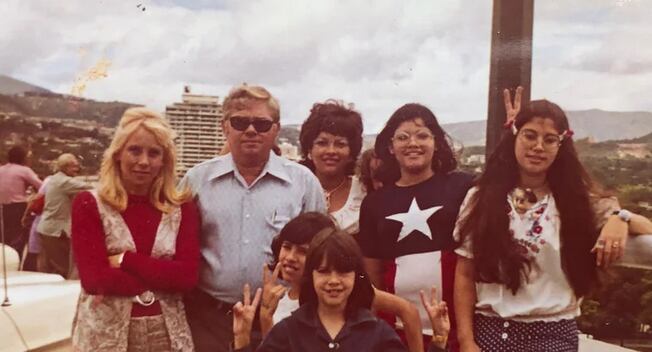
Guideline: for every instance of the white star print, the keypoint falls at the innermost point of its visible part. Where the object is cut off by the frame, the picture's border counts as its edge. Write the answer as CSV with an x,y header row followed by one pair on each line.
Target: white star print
x,y
414,219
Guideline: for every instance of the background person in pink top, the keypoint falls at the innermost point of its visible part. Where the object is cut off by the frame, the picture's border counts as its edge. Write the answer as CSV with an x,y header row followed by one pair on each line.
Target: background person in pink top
x,y
15,178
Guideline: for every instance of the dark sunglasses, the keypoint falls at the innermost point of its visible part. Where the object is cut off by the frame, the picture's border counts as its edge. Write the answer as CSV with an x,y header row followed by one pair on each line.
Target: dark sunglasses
x,y
241,123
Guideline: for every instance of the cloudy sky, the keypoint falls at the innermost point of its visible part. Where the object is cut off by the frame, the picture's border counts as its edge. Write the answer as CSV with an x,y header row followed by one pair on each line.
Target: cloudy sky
x,y
377,54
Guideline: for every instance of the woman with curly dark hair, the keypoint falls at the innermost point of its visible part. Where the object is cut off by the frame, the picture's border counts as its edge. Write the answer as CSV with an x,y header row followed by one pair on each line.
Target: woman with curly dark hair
x,y
331,140
530,231
406,227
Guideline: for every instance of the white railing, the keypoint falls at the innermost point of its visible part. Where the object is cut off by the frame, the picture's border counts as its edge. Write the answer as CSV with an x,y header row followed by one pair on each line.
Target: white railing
x,y
638,253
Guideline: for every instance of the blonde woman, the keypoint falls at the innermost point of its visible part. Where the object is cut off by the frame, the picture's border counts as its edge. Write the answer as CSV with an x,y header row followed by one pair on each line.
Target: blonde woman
x,y
135,242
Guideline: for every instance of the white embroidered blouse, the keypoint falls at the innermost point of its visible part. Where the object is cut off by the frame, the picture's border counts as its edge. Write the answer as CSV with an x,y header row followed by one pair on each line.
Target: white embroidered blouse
x,y
547,295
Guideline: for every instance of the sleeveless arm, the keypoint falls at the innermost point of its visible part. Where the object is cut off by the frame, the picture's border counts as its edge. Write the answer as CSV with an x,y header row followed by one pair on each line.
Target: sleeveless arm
x,y
182,272
90,253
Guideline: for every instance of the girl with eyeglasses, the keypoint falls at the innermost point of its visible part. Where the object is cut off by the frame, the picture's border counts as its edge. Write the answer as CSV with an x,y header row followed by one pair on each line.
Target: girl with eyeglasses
x,y
335,299
406,226
530,232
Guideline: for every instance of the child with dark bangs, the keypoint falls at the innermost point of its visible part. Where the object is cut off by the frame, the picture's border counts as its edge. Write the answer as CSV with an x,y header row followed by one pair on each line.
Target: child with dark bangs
x,y
335,300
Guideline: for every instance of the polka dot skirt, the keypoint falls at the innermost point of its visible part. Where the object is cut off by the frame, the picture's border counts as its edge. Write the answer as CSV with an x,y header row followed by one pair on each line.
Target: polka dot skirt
x,y
496,334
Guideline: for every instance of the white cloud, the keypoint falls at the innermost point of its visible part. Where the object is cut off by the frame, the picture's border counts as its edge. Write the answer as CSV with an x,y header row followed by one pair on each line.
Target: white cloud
x,y
593,54
378,54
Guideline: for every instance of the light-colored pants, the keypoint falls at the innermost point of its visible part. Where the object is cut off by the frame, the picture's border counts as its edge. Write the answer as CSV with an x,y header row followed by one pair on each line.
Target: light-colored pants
x,y
148,334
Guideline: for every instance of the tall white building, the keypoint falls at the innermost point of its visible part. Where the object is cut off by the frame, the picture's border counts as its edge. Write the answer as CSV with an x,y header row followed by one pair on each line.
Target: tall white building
x,y
198,123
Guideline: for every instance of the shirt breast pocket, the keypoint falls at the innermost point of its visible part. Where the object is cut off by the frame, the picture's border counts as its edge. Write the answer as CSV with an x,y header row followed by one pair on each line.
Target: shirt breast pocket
x,y
277,219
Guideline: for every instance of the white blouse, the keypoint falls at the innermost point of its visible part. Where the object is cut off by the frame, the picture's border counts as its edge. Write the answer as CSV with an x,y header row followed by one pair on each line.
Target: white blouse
x,y
348,217
547,295
285,307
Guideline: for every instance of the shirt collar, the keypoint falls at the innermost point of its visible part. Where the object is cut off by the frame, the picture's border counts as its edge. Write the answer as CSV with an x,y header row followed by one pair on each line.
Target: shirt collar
x,y
307,314
223,165
274,166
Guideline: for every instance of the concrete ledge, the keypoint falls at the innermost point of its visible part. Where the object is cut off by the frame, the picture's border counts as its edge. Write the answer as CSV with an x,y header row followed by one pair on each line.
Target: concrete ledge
x,y
638,253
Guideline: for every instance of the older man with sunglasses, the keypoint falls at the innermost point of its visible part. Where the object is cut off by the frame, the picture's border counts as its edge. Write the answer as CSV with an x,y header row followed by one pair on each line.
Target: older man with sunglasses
x,y
245,198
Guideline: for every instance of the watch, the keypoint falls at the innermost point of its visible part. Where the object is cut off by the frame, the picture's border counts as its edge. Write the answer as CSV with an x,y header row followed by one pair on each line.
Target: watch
x,y
624,214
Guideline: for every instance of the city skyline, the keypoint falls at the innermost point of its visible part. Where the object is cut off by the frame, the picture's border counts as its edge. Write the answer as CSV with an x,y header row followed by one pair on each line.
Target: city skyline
x,y
197,120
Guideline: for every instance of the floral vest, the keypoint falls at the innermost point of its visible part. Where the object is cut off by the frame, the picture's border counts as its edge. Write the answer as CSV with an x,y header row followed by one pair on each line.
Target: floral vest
x,y
101,322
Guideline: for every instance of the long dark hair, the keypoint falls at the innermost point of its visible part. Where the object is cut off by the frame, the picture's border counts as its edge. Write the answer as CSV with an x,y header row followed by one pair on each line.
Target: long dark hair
x,y
495,253
342,254
336,118
443,160
367,175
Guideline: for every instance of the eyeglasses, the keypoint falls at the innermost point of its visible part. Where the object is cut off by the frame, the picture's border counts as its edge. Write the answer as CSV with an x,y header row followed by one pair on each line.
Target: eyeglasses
x,y
241,123
531,139
420,137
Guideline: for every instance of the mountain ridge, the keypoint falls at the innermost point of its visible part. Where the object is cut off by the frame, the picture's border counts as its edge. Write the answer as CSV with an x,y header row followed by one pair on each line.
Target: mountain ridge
x,y
597,124
10,86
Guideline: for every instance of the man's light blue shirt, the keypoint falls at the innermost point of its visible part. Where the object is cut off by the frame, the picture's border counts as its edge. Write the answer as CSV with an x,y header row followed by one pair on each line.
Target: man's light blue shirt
x,y
240,220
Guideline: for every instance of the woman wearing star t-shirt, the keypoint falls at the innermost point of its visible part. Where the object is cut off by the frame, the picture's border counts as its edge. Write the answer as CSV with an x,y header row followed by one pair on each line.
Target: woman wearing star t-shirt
x,y
406,227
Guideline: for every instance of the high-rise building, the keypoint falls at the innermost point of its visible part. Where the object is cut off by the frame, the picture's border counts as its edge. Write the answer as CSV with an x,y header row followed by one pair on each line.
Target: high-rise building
x,y
198,123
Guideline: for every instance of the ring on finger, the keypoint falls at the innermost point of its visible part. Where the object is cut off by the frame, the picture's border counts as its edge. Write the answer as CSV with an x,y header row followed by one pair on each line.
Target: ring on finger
x,y
615,245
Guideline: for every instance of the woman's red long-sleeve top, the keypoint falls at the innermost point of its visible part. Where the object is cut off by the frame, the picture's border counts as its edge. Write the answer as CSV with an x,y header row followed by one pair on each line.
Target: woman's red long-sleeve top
x,y
138,272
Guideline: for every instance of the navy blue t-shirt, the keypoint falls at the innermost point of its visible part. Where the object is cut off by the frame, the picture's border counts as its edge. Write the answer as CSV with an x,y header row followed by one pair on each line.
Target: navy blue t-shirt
x,y
411,230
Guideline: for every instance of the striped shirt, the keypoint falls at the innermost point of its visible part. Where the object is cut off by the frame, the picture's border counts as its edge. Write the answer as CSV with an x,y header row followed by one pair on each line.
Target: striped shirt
x,y
240,220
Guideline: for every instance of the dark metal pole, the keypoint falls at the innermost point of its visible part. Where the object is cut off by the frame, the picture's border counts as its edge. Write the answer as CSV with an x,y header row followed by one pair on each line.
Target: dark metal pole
x,y
511,60
5,301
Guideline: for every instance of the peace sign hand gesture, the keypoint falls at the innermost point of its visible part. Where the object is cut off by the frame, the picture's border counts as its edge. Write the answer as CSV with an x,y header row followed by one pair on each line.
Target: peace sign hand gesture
x,y
272,294
512,109
243,317
438,314
272,291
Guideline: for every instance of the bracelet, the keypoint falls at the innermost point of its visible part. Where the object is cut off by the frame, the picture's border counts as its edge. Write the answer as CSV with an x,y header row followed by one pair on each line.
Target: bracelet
x,y
439,338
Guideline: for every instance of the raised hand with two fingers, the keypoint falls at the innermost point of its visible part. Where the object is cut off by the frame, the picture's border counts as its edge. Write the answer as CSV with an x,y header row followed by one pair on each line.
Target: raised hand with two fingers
x,y
438,314
272,294
272,290
512,109
243,317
